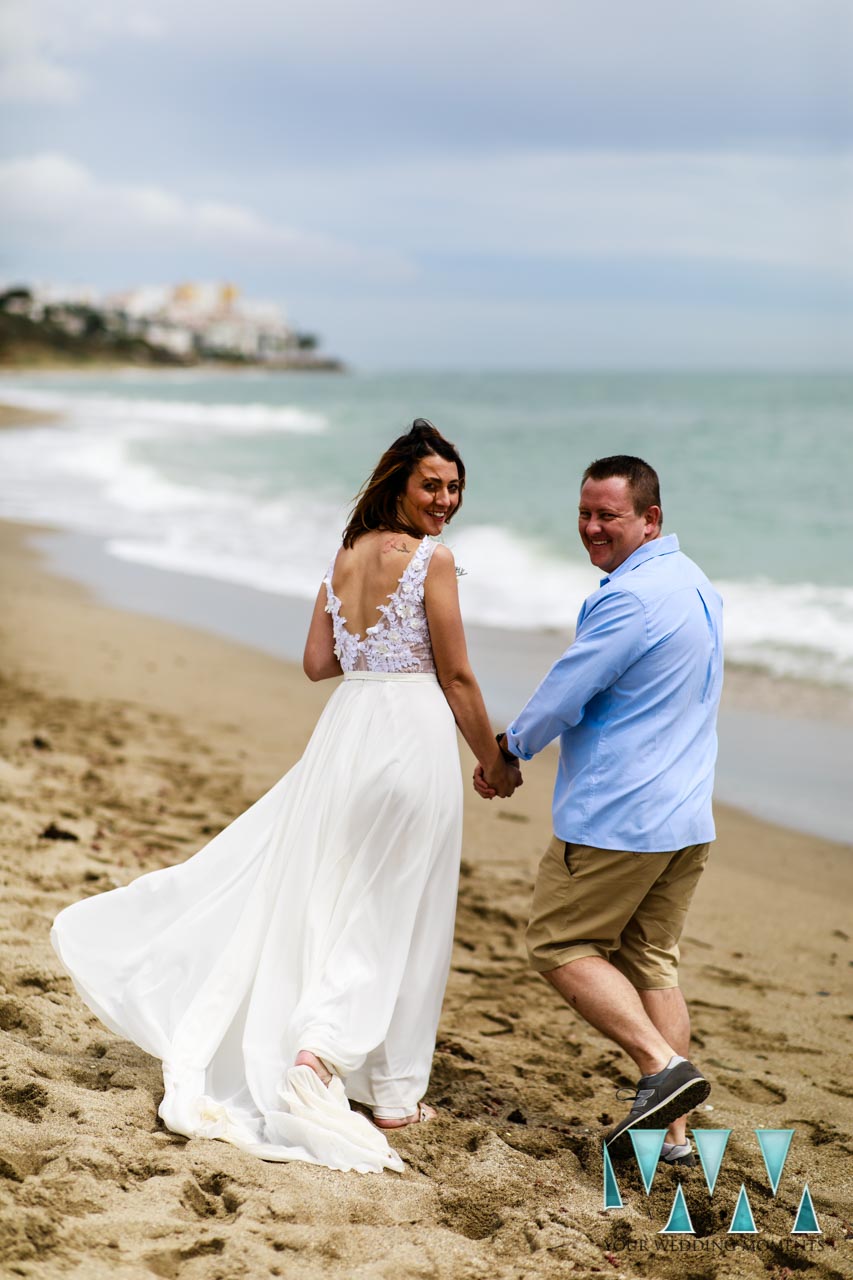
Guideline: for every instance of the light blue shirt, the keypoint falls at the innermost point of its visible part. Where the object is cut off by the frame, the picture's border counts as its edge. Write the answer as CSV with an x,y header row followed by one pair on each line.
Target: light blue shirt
x,y
634,701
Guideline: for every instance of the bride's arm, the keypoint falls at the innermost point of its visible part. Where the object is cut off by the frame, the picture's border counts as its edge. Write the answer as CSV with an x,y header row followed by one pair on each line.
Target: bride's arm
x,y
319,661
441,600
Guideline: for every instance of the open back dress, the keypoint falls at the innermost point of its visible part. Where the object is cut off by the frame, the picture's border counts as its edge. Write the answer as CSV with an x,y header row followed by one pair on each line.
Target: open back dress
x,y
321,919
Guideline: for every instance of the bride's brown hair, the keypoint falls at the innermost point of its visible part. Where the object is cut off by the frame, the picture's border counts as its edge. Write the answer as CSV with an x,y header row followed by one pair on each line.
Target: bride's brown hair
x,y
376,504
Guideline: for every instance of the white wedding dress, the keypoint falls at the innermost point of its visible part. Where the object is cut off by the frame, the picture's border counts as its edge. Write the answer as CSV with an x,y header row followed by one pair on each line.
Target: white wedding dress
x,y
321,919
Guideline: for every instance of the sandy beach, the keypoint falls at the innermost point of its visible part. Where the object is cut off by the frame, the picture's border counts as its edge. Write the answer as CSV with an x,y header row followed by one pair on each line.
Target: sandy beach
x,y
126,742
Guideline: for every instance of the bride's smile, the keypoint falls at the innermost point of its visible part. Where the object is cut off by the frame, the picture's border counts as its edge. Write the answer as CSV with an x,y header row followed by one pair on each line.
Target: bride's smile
x,y
431,495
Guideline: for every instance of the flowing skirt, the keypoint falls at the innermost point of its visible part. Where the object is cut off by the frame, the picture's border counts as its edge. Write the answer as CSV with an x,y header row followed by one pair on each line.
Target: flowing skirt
x,y
321,919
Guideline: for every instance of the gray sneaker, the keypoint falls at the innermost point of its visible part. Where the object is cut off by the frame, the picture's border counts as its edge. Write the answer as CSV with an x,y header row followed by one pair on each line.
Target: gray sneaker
x,y
660,1099
678,1154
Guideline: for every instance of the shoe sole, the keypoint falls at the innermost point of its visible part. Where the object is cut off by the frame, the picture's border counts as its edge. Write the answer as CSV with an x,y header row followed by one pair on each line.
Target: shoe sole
x,y
677,1104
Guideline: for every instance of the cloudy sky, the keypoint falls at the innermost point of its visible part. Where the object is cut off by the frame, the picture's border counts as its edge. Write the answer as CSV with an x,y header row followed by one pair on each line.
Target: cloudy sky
x,y
551,183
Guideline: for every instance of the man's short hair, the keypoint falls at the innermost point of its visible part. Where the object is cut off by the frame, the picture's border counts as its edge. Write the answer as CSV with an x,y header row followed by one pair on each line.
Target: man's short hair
x,y
642,479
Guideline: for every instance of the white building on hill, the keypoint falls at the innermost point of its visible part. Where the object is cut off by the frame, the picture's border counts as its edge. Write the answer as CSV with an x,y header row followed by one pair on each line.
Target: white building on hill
x,y
204,319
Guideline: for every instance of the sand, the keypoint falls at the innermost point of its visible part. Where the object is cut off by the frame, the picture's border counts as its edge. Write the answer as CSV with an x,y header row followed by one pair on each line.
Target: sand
x,y
15,416
125,742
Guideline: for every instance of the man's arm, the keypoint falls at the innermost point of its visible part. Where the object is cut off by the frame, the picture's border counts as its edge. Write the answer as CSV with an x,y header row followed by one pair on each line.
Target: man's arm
x,y
611,637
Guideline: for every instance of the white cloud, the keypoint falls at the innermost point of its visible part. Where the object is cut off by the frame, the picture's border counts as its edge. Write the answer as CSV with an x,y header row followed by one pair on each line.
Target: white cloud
x,y
616,55
50,198
40,40
30,69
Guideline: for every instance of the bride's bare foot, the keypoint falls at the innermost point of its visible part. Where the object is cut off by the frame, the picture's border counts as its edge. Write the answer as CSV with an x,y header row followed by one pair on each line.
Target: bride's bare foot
x,y
420,1116
305,1058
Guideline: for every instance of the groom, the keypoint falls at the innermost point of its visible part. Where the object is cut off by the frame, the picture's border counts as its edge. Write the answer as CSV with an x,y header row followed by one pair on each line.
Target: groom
x,y
633,702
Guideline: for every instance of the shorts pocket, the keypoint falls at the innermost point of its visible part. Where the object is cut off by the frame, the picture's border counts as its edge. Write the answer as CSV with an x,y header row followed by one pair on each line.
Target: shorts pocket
x,y
573,856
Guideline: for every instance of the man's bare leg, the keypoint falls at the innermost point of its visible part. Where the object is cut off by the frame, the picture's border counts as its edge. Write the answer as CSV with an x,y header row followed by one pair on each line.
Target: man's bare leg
x,y
607,1000
667,1009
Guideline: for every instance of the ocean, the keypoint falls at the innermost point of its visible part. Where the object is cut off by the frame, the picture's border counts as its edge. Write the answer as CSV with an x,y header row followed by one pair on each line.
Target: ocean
x,y
247,477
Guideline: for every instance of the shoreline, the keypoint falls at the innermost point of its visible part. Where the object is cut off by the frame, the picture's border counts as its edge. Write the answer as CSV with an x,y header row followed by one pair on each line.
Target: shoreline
x,y
140,738
747,687
15,416
783,743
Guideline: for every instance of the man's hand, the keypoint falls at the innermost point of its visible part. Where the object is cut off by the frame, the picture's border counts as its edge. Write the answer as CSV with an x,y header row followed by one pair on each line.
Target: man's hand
x,y
502,786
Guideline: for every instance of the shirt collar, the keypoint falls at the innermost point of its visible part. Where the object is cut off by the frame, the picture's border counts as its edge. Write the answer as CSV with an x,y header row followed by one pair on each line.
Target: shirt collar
x,y
657,547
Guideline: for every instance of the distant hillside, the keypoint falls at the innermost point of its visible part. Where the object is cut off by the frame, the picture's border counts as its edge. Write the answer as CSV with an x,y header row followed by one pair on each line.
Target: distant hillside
x,y
36,333
25,342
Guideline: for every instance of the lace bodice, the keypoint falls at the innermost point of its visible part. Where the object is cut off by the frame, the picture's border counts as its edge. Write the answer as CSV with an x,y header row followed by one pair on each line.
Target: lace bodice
x,y
399,641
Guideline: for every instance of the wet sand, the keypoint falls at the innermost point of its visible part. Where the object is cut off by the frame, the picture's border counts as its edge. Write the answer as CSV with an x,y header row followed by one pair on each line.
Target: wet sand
x,y
16,416
785,745
125,743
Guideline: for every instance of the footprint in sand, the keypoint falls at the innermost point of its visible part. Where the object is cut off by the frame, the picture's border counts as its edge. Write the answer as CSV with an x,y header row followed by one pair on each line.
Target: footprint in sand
x,y
18,1022
18,1165
820,1133
27,1101
210,1196
454,1049
756,1091
169,1263
495,916
485,1023
840,1090
556,1233
696,1003
734,978
41,980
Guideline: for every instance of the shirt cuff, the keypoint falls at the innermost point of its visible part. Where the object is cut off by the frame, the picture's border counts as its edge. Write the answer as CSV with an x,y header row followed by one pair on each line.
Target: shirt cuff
x,y
514,745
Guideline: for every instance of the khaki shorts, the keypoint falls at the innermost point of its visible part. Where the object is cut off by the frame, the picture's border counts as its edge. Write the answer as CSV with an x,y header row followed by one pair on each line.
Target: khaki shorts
x,y
628,908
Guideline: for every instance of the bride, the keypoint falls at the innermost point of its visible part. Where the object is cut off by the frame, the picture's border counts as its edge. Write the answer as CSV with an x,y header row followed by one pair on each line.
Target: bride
x,y
299,960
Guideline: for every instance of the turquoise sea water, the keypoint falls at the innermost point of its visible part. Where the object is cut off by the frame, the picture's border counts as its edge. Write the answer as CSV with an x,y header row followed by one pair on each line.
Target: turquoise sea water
x,y
247,477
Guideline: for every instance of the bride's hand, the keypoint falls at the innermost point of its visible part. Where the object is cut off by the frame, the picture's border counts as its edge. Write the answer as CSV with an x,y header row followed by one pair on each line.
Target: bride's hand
x,y
481,786
503,780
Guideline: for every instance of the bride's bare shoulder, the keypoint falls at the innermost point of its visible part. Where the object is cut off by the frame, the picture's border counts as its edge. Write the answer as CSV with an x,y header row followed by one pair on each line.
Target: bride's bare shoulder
x,y
443,557
441,570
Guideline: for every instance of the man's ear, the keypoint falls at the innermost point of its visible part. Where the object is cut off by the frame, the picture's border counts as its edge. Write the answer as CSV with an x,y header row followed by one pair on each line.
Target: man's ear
x,y
653,518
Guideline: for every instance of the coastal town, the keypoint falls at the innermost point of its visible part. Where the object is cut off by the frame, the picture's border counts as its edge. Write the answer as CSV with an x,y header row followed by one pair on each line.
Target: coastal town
x,y
182,324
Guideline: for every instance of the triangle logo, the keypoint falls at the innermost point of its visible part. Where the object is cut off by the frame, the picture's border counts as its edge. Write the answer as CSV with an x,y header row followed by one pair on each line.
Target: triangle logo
x,y
612,1195
648,1144
679,1223
711,1144
743,1223
806,1223
774,1145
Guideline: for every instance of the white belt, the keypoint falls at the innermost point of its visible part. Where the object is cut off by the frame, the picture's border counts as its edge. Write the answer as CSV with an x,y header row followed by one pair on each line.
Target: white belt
x,y
391,675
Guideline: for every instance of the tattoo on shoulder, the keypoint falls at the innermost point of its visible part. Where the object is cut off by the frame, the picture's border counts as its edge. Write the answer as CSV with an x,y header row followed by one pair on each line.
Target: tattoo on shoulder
x,y
396,544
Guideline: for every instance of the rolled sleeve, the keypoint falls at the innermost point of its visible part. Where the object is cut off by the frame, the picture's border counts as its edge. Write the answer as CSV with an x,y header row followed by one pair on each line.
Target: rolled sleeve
x,y
611,635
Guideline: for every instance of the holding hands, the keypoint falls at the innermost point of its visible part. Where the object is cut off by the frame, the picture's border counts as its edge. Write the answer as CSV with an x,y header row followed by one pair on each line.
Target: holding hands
x,y
502,776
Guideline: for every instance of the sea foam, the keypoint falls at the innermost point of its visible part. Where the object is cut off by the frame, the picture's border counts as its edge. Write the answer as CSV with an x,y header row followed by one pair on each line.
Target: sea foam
x,y
151,416
111,468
